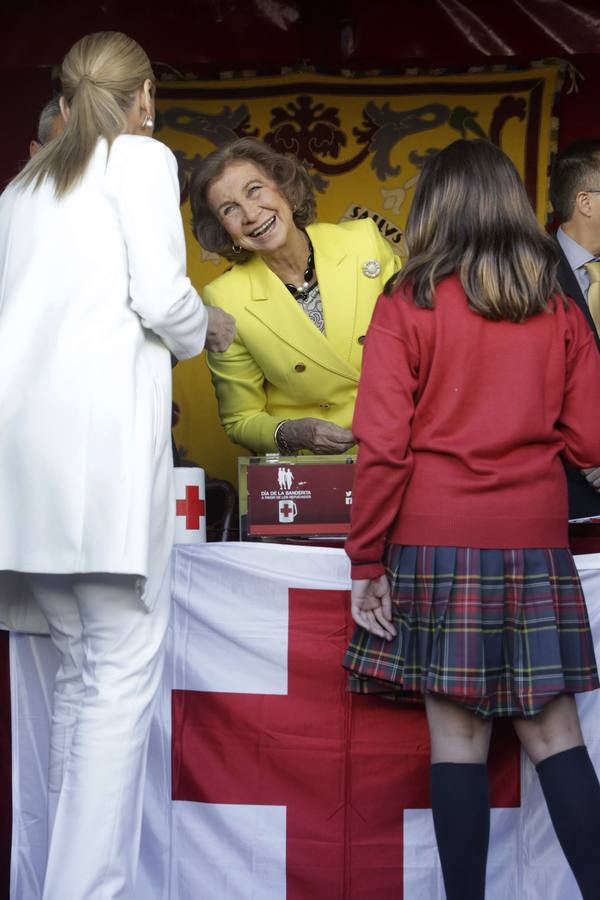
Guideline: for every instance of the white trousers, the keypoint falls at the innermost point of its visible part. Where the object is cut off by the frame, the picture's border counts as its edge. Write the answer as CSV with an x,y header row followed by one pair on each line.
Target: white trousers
x,y
112,653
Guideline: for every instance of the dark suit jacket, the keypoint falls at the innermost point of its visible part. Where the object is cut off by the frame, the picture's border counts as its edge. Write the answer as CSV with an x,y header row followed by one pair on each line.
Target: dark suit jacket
x,y
583,499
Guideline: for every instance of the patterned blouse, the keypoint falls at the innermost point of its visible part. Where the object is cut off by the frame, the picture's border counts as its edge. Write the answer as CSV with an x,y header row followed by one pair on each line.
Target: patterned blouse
x,y
312,305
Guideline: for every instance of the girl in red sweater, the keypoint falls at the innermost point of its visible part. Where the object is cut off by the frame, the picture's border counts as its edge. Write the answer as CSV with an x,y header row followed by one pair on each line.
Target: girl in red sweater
x,y
478,378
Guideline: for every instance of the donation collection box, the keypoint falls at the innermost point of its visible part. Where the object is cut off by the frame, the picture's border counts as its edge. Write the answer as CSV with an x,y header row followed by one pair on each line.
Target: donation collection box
x,y
295,497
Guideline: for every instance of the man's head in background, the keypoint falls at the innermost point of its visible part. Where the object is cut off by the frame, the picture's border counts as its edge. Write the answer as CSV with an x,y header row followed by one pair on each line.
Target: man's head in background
x,y
50,125
575,192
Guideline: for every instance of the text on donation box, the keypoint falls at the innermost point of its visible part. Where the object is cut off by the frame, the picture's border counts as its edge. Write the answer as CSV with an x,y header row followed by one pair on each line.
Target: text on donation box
x,y
190,505
300,499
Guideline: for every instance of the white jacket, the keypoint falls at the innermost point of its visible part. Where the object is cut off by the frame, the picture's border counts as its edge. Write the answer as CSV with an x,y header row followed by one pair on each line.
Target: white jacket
x,y
93,296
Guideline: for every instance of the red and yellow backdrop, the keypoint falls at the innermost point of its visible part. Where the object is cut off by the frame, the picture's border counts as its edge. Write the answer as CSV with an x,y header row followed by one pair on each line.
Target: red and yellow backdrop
x,y
364,141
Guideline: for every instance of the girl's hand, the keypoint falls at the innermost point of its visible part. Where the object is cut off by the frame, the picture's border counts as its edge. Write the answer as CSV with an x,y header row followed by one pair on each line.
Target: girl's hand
x,y
372,606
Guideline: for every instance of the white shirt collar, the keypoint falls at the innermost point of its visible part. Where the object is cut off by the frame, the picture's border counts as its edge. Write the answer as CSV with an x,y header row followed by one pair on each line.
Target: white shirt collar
x,y
577,255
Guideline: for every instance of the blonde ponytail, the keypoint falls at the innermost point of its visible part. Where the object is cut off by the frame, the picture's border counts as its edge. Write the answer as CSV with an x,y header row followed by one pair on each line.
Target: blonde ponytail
x,y
100,76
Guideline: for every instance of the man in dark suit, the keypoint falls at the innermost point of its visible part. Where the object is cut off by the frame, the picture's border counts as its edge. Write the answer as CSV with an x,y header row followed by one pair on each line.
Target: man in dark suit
x,y
575,196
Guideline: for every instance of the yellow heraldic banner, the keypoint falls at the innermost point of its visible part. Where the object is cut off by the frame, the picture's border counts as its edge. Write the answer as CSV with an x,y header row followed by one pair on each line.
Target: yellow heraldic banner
x,y
364,141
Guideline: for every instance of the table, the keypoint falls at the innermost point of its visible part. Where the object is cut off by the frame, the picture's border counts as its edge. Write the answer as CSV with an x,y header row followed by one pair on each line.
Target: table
x,y
265,778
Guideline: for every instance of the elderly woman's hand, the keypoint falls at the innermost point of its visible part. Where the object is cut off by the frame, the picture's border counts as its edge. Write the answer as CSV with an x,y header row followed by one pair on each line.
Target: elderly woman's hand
x,y
316,435
220,331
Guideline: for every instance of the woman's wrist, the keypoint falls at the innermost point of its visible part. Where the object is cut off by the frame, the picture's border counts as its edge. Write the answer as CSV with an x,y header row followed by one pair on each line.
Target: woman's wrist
x,y
281,441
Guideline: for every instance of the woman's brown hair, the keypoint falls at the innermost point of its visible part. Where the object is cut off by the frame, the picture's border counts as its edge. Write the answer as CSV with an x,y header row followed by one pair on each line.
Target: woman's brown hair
x,y
471,216
100,75
287,172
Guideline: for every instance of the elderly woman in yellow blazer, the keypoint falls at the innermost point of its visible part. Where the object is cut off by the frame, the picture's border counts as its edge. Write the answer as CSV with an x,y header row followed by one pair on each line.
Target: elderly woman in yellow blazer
x,y
302,295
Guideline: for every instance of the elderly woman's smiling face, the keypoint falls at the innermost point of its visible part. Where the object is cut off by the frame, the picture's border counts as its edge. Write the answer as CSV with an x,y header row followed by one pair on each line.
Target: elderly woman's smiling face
x,y
251,208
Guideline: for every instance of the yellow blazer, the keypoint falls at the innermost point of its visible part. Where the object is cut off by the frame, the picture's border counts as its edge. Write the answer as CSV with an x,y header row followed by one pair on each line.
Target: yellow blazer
x,y
280,365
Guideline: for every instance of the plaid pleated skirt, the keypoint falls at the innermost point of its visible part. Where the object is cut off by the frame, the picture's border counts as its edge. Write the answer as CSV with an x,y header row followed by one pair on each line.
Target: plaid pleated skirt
x,y
501,632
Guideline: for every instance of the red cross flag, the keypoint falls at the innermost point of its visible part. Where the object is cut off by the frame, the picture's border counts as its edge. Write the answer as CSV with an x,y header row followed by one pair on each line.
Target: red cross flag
x,y
266,779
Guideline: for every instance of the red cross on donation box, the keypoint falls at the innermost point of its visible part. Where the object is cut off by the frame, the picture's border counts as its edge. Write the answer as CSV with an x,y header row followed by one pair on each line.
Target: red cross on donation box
x,y
333,760
190,505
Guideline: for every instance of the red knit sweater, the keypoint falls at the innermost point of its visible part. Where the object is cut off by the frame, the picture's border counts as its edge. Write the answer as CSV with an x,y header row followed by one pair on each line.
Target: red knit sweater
x,y
461,423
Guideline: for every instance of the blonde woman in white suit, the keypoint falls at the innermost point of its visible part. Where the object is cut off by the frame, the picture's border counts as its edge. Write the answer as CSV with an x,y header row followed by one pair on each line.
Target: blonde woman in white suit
x,y
93,299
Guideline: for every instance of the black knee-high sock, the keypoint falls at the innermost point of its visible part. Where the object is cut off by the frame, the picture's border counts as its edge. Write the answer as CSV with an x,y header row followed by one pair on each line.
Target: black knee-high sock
x,y
460,800
572,792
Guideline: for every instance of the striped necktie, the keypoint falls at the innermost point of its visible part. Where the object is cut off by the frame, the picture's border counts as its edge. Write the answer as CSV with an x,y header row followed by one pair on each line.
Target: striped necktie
x,y
593,294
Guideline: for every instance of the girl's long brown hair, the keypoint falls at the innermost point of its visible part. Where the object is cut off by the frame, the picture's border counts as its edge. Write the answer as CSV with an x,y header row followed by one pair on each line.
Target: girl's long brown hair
x,y
471,216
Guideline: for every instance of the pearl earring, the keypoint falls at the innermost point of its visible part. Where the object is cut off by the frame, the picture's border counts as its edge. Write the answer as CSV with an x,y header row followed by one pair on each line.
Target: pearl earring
x,y
148,122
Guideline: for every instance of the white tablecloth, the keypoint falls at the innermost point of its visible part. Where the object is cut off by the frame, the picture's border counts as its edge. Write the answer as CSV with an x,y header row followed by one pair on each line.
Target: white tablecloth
x,y
274,766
